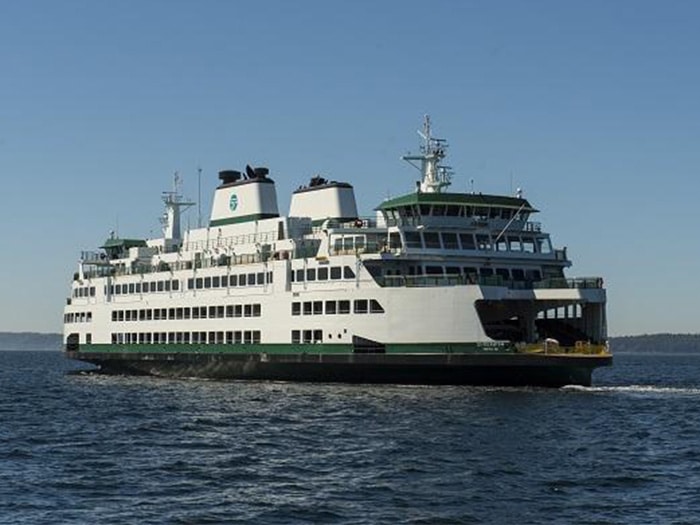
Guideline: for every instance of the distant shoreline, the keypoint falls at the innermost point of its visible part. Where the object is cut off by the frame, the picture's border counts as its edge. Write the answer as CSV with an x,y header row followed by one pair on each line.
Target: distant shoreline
x,y
648,343
30,341
656,343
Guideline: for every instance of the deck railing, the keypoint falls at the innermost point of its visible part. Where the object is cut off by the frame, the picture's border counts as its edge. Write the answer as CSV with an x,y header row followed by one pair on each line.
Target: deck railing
x,y
578,282
393,281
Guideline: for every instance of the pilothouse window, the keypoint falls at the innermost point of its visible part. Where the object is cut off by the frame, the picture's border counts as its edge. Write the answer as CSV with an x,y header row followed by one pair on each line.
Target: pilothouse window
x,y
528,245
432,240
484,242
413,240
452,210
514,244
449,241
467,240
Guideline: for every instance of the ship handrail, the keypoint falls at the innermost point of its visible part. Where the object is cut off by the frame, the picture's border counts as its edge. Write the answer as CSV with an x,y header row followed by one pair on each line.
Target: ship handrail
x,y
572,283
230,241
394,281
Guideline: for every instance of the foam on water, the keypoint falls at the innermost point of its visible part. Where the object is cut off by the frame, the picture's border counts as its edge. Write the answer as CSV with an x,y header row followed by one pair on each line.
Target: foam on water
x,y
634,389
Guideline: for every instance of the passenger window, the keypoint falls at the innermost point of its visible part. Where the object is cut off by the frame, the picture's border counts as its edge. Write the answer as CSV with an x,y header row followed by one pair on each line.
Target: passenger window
x,y
375,307
361,306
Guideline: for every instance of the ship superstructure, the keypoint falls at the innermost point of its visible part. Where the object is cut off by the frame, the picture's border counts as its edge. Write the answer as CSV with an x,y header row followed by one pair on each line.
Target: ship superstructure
x,y
437,287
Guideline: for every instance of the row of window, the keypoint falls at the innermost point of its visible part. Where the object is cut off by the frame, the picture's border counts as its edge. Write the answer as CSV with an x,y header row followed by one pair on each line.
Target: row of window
x,y
77,317
368,241
193,283
516,274
145,287
454,210
360,306
226,281
307,336
323,273
469,241
230,338
84,291
194,312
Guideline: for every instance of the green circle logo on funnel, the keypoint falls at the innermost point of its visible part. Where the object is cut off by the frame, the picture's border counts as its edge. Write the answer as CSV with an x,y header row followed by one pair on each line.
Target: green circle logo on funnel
x,y
233,202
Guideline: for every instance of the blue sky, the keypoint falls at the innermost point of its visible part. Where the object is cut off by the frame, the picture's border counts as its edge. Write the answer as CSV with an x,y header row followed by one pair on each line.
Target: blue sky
x,y
593,108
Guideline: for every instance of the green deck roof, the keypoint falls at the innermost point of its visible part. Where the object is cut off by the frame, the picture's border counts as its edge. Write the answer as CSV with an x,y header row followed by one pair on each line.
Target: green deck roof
x,y
461,199
123,243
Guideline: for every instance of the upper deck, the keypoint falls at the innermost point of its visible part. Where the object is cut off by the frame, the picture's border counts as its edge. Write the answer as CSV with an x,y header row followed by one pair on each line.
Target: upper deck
x,y
430,237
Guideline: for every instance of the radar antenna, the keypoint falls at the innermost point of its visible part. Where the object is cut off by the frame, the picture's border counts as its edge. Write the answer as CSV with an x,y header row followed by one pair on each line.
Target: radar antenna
x,y
435,176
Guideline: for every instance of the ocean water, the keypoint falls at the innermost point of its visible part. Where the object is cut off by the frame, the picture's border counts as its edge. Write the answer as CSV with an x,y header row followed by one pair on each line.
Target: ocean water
x,y
81,448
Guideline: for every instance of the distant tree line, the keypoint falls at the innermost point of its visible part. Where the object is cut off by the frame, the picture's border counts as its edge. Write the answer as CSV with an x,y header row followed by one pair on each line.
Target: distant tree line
x,y
29,341
654,343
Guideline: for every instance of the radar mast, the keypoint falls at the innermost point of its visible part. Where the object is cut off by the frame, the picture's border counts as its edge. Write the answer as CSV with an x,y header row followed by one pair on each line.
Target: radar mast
x,y
174,206
435,176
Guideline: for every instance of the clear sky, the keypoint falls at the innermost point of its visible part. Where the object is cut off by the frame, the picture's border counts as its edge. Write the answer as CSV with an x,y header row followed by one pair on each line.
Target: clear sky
x,y
592,108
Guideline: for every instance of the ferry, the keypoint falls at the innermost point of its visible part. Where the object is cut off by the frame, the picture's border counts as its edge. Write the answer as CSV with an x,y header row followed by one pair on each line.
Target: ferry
x,y
437,287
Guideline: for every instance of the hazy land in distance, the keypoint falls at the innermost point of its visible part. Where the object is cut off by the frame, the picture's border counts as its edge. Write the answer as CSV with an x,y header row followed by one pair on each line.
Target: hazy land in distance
x,y
647,344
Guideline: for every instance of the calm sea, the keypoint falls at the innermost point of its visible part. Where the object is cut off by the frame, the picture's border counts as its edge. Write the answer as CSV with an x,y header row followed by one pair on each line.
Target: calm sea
x,y
81,448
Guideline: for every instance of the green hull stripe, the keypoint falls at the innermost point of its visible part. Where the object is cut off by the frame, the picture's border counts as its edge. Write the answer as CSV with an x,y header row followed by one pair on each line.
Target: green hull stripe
x,y
243,218
321,348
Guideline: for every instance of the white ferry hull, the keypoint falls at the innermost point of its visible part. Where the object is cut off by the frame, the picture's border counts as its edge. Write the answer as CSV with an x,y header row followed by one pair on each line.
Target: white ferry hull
x,y
438,288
